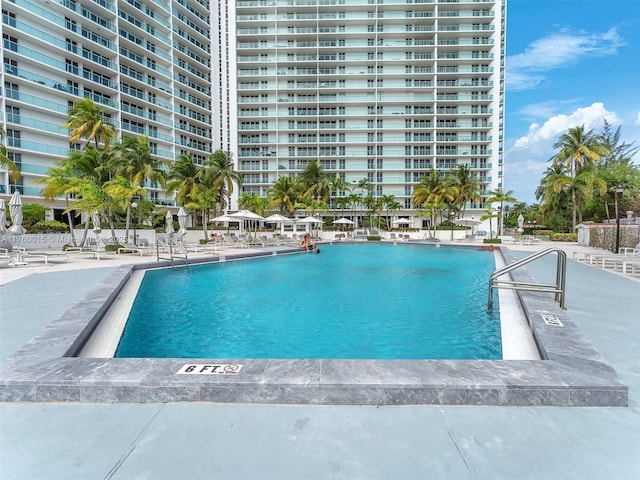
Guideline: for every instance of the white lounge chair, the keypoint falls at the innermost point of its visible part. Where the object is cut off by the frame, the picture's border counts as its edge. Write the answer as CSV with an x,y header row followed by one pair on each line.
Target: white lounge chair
x,y
132,248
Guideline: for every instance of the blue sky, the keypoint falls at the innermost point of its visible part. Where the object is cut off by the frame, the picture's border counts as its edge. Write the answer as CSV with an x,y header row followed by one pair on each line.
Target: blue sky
x,y
569,63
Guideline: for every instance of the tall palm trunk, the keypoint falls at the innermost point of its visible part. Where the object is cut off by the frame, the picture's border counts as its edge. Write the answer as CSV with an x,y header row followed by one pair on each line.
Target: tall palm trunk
x,y
70,222
573,207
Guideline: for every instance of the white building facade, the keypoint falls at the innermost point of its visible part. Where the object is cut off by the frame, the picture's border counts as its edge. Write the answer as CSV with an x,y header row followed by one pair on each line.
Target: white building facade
x,y
383,90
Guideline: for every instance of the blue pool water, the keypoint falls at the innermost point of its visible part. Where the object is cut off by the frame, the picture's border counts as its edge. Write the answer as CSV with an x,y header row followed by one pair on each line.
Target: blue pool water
x,y
352,301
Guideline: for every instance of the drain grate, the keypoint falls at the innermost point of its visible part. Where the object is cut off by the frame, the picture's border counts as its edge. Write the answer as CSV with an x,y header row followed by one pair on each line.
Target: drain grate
x,y
552,320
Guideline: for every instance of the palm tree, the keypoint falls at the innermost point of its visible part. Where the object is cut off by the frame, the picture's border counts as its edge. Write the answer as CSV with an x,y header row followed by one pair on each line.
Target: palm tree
x,y
342,203
123,191
577,149
94,167
86,120
183,177
5,161
57,183
354,200
466,187
137,164
583,185
223,176
432,209
491,214
316,182
337,185
284,195
389,203
498,196
364,184
432,188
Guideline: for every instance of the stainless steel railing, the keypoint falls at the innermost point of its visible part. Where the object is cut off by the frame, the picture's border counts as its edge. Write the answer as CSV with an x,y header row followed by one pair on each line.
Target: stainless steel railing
x,y
558,288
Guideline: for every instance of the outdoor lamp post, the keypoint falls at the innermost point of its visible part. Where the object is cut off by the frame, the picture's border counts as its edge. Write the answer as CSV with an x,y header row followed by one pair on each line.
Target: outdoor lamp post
x,y
618,198
134,205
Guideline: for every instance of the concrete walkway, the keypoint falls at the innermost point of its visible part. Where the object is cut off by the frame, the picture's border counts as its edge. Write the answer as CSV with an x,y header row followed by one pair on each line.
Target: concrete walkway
x,y
218,441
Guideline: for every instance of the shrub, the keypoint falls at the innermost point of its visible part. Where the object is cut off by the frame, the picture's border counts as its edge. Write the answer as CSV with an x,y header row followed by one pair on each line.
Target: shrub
x,y
112,247
50,226
374,238
564,237
491,240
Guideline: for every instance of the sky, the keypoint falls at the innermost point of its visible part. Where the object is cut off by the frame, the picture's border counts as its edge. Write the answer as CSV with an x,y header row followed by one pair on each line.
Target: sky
x,y
569,63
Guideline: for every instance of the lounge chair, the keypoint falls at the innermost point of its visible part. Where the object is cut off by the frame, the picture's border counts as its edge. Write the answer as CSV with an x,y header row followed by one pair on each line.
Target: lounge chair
x,y
29,256
604,258
132,248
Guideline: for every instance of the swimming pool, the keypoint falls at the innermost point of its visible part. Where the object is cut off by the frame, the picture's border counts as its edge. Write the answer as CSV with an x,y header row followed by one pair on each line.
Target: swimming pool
x,y
362,301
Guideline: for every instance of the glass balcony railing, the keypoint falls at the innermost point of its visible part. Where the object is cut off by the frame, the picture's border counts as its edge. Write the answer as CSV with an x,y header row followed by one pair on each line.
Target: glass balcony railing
x,y
33,123
34,169
37,147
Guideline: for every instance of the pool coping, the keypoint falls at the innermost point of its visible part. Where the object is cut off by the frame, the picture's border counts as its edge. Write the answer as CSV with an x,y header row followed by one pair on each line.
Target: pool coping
x,y
571,373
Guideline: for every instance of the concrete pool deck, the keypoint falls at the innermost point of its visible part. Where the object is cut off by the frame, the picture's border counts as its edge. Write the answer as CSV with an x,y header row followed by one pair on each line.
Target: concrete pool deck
x,y
276,441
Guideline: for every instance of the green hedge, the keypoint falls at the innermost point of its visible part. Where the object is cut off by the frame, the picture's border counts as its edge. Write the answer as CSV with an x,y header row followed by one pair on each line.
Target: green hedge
x,y
50,226
564,237
491,240
374,238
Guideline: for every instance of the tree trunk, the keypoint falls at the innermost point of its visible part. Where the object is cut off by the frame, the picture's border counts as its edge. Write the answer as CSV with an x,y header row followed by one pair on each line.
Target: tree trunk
x,y
70,222
112,227
86,231
573,207
126,223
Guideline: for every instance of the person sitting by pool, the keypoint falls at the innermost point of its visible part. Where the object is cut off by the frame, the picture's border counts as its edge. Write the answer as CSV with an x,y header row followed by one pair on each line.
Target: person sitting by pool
x,y
304,242
213,237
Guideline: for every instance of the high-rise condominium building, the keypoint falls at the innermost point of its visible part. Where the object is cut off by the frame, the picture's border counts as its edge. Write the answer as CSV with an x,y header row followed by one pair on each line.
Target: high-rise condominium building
x,y
382,90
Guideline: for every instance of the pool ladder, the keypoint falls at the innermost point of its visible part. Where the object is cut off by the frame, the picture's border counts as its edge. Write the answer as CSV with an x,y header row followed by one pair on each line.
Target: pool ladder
x,y
173,249
558,288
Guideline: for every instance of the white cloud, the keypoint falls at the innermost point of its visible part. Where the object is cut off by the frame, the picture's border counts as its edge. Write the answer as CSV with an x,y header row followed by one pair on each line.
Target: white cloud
x,y
638,119
558,50
529,156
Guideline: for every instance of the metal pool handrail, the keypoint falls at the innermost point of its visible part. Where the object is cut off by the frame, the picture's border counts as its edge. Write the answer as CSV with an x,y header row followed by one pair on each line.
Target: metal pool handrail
x,y
558,288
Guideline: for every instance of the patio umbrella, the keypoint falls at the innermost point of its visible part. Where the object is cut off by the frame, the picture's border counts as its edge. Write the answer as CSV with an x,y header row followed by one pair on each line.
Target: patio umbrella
x,y
169,221
310,221
247,215
343,221
224,219
182,221
278,219
467,222
402,221
15,210
3,217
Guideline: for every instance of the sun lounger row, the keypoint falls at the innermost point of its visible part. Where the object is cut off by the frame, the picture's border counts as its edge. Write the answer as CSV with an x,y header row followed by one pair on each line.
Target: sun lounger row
x,y
627,261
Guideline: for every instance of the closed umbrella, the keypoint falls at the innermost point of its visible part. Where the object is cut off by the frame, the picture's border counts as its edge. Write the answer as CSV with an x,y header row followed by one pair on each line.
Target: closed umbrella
x,y
182,222
95,220
520,223
3,217
15,210
169,221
